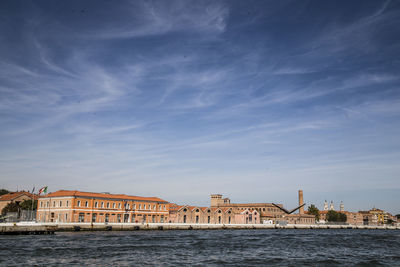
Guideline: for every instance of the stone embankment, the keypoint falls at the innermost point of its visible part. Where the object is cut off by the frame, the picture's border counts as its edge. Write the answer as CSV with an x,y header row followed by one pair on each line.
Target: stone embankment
x,y
50,228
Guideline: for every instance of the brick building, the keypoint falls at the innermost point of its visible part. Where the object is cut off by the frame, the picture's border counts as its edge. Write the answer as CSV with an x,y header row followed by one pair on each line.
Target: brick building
x,y
76,206
211,215
16,197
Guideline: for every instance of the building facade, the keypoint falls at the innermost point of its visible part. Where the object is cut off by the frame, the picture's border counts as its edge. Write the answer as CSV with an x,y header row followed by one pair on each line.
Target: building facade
x,y
16,197
211,215
267,211
67,206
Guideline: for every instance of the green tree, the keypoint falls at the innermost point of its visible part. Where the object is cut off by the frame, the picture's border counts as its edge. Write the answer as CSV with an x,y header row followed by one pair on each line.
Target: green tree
x,y
10,207
334,216
27,204
4,191
313,210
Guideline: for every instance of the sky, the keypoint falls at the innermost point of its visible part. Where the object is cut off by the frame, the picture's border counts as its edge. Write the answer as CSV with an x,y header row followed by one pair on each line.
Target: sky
x,y
181,99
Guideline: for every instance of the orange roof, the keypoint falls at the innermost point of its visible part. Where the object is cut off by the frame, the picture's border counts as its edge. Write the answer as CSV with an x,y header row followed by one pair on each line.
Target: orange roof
x,y
68,193
13,195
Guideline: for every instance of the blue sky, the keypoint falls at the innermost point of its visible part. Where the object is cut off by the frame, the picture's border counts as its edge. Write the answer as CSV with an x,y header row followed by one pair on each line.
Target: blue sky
x,y
181,99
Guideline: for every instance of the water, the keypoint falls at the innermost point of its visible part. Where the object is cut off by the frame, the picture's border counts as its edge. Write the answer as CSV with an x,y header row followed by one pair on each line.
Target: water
x,y
214,247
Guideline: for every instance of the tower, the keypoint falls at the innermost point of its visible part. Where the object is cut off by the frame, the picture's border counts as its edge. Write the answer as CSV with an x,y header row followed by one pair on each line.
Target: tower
x,y
301,202
326,205
216,200
331,207
341,206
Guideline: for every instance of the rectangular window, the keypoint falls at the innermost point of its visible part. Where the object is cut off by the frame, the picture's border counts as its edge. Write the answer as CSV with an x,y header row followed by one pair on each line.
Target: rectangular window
x,y
41,204
119,218
79,203
107,218
144,206
81,217
66,217
94,217
86,204
119,205
54,204
114,205
134,206
67,203
95,204
133,218
60,203
102,204
126,218
154,207
140,206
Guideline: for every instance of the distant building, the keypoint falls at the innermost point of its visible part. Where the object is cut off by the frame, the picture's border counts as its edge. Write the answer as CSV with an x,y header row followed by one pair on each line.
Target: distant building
x,y
211,215
16,197
76,206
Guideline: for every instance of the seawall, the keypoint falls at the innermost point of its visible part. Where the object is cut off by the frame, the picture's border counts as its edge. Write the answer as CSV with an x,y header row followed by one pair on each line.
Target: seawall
x,y
49,228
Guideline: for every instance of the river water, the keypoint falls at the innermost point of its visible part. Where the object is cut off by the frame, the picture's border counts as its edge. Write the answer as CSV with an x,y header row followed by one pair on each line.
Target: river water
x,y
272,247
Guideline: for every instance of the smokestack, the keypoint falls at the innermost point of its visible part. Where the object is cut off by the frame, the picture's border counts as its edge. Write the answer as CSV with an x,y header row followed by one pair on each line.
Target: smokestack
x,y
301,210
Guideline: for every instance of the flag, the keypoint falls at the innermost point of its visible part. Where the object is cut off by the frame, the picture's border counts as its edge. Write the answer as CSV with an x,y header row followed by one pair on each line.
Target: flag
x,y
43,190
33,190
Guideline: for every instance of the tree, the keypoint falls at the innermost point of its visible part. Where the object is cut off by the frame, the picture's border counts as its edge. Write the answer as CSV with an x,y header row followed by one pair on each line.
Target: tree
x,y
334,216
398,216
4,191
27,204
313,210
10,207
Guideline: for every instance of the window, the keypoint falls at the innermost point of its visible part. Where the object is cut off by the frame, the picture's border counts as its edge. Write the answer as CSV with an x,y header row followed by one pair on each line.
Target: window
x,y
159,207
208,219
144,206
108,205
86,204
41,204
102,204
229,220
126,218
140,206
197,218
149,207
184,218
67,203
107,218
79,203
47,204
164,207
94,217
134,206
119,205
119,218
60,203
81,217
95,204
114,205
127,206
154,207
219,219
197,210
66,217
54,204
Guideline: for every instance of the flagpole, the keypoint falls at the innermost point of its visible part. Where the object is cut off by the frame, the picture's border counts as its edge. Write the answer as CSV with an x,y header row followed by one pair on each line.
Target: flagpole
x,y
33,200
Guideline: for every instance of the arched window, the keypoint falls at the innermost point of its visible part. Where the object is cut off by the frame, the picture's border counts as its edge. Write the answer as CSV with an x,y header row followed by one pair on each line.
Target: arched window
x,y
197,210
184,210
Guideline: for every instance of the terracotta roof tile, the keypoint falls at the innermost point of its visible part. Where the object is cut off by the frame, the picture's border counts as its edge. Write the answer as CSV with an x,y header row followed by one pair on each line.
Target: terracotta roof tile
x,y
67,193
13,195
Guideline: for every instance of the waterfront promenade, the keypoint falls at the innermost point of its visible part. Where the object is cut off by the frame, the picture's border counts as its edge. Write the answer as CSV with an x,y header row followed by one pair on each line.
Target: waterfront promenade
x,y
32,228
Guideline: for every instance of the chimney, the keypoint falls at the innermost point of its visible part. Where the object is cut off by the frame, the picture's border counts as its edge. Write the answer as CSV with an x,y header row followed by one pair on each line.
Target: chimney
x,y
301,210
